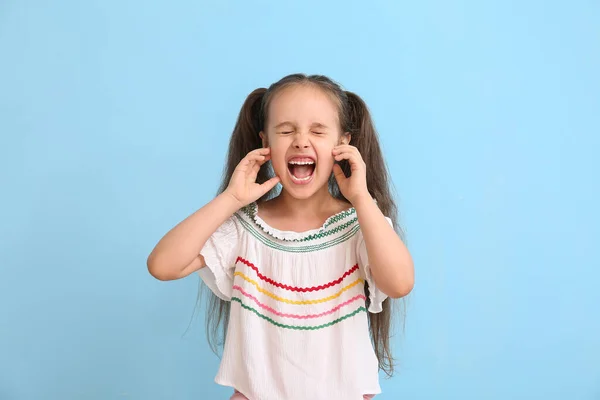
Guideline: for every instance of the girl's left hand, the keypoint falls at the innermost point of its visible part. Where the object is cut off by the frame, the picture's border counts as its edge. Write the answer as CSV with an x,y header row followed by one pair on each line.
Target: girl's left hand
x,y
354,186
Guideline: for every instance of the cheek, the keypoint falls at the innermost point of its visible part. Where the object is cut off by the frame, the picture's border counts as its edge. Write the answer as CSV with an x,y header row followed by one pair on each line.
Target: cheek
x,y
278,157
327,165
325,151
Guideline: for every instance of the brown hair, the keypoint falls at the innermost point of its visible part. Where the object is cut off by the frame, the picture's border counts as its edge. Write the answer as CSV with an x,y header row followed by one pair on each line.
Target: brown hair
x,y
355,119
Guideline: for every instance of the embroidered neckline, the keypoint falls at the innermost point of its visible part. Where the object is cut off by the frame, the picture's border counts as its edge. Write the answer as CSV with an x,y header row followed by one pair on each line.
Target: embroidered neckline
x,y
251,210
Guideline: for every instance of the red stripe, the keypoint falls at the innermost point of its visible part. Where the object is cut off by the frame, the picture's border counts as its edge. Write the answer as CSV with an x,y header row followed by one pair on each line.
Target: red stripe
x,y
295,288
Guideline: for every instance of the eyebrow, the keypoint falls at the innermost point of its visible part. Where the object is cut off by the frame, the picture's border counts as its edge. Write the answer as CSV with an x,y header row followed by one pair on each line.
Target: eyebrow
x,y
313,125
319,125
281,124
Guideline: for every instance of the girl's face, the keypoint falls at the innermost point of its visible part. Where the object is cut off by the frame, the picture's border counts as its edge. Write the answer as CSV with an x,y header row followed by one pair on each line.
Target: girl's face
x,y
302,130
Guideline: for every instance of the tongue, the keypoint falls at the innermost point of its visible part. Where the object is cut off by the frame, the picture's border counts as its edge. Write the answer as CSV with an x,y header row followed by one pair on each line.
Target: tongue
x,y
302,171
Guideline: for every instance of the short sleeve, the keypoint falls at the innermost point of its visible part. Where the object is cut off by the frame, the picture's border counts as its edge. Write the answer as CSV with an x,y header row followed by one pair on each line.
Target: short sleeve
x,y
376,296
219,254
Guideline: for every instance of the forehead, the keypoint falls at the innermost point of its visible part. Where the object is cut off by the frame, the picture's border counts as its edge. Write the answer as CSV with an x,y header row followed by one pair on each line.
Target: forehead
x,y
303,104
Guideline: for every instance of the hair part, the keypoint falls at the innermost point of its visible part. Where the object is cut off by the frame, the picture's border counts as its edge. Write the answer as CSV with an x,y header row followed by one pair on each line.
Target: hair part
x,y
355,119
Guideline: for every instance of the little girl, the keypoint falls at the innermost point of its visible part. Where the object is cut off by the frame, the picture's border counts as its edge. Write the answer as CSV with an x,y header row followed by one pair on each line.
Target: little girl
x,y
301,277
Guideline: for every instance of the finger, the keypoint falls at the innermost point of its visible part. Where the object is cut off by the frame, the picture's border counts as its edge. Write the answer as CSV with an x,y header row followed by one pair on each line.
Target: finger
x,y
255,157
256,164
261,151
253,167
347,150
353,155
356,162
270,184
253,172
346,156
345,147
261,158
248,162
265,159
338,173
350,153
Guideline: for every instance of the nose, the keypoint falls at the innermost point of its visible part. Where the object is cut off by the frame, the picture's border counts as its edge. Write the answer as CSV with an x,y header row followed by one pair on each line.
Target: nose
x,y
301,141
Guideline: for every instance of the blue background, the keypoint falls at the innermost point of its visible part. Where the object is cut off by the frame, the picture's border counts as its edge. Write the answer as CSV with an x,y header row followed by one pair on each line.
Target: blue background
x,y
114,123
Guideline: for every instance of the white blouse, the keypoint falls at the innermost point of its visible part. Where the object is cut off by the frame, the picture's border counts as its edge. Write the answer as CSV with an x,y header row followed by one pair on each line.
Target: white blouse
x,y
298,326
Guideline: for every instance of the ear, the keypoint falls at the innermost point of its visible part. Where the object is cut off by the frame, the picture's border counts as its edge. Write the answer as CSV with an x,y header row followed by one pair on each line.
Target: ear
x,y
345,138
265,140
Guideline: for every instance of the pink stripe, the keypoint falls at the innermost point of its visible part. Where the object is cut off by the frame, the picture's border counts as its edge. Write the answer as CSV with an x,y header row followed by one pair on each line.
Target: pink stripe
x,y
266,307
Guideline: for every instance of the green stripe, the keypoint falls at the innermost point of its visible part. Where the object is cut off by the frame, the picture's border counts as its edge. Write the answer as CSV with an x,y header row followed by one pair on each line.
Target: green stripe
x,y
250,212
304,328
301,249
329,232
339,217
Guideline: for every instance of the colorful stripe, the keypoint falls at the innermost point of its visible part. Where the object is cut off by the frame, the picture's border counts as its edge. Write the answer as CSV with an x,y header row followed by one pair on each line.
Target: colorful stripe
x,y
324,233
289,301
297,316
251,211
295,288
296,249
306,328
339,217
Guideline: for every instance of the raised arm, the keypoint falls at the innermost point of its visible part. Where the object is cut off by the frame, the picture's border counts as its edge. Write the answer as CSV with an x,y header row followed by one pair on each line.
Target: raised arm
x,y
177,254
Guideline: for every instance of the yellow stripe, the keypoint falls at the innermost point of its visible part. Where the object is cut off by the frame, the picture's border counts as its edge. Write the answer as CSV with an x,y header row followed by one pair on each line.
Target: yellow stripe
x,y
284,300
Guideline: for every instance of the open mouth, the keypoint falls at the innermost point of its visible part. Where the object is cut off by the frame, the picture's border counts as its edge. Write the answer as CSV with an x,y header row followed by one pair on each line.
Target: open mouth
x,y
301,170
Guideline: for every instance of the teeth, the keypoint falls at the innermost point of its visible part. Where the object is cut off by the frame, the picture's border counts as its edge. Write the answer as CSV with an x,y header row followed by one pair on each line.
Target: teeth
x,y
302,162
302,179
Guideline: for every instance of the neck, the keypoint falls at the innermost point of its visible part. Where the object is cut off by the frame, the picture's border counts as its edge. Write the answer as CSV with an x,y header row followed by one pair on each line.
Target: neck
x,y
314,205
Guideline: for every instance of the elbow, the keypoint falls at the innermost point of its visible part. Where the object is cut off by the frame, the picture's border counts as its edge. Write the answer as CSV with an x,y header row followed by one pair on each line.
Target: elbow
x,y
401,290
157,269
403,286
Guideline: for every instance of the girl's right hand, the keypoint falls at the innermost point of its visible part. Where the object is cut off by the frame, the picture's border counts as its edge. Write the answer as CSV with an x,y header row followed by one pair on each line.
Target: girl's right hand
x,y
242,185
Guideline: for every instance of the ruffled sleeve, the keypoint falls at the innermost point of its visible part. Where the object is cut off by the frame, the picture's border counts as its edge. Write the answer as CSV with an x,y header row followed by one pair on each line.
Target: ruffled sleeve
x,y
376,296
220,253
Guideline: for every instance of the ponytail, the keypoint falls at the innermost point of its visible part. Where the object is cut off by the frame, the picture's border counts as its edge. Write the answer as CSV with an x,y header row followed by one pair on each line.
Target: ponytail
x,y
365,139
245,137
